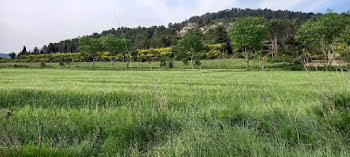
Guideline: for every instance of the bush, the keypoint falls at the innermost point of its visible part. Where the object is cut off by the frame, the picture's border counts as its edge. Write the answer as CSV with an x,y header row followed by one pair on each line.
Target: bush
x,y
163,61
295,67
61,63
42,64
185,61
171,63
197,61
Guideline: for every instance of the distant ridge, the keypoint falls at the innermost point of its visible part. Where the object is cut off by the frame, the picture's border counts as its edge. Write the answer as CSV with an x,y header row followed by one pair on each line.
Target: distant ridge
x,y
4,55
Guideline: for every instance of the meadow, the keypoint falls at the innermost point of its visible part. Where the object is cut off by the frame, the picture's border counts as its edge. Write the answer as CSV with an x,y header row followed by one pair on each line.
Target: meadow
x,y
77,112
230,63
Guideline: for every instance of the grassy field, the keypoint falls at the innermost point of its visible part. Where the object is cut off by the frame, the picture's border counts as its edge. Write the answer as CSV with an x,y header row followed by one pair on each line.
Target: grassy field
x,y
60,112
206,64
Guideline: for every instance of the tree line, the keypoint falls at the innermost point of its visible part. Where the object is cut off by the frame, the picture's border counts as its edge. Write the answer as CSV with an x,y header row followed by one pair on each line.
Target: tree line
x,y
321,37
161,36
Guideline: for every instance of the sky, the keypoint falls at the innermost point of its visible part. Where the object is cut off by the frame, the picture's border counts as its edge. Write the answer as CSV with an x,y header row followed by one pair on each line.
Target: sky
x,y
39,22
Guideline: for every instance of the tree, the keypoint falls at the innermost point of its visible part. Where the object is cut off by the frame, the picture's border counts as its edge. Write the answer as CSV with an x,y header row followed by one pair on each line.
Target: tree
x,y
248,34
52,48
278,30
344,37
44,50
36,50
323,33
344,41
12,55
216,35
190,44
24,51
89,47
113,45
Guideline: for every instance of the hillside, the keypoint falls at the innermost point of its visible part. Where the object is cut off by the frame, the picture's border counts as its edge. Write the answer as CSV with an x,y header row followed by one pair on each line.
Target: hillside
x,y
162,36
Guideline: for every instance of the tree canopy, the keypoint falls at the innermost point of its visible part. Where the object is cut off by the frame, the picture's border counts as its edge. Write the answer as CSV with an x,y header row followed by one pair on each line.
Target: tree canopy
x,y
248,34
322,32
190,44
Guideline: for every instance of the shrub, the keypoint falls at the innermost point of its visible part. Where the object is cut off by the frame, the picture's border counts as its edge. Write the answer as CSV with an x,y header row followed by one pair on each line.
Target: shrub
x,y
197,61
171,63
42,64
61,63
185,60
163,61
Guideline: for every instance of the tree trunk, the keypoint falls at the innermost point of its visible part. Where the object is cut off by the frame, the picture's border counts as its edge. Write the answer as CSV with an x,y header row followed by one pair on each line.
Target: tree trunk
x,y
246,58
93,65
272,47
261,66
112,61
123,61
276,45
129,61
285,48
331,54
192,62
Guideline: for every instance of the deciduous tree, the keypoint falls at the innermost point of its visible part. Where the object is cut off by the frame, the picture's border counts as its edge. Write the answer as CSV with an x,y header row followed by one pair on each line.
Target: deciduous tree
x,y
190,44
248,34
89,47
323,32
113,45
12,55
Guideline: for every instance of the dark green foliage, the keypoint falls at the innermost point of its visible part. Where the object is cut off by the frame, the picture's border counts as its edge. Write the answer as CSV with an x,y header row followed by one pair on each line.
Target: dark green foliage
x,y
171,63
185,60
189,46
322,32
36,50
12,55
24,51
163,60
217,35
240,13
61,63
247,35
42,64
112,44
197,61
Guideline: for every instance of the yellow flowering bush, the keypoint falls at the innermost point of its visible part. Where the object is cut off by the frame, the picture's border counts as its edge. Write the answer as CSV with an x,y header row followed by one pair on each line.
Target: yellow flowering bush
x,y
212,51
52,57
153,54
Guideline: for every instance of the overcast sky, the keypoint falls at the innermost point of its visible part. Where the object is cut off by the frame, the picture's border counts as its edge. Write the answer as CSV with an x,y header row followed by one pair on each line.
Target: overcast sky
x,y
38,22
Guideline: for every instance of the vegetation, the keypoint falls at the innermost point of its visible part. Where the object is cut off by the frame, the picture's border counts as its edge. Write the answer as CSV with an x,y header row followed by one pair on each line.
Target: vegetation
x,y
161,36
52,104
248,34
12,55
141,113
323,32
190,45
89,48
271,38
113,45
219,64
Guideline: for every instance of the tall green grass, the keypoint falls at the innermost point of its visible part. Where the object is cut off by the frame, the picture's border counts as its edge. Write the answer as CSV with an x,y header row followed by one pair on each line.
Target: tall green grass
x,y
55,112
235,63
